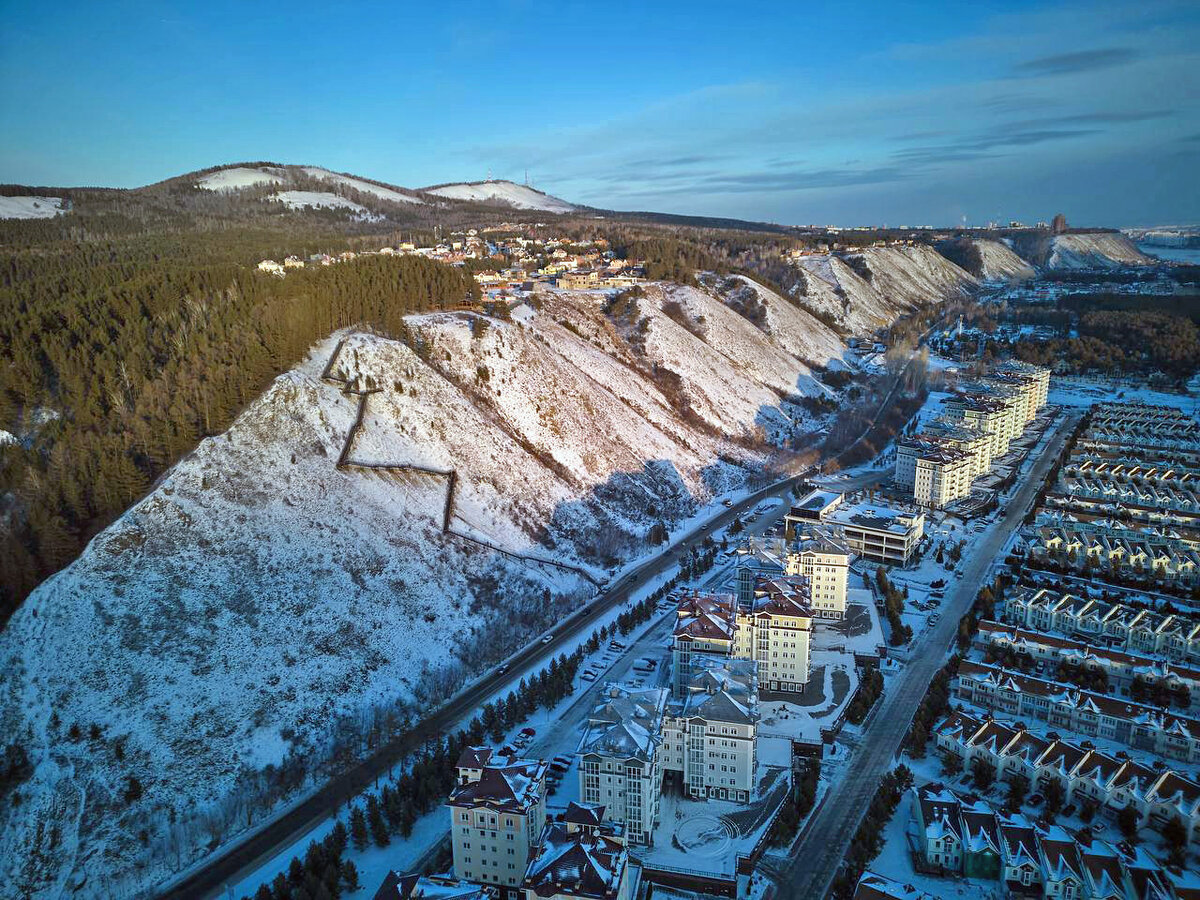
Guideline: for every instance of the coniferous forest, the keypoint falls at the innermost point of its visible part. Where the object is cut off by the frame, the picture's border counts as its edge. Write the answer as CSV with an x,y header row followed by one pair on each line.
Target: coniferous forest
x,y
125,339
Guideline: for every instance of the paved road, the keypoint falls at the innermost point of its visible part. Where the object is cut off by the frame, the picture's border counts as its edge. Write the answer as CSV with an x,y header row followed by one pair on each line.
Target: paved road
x,y
817,857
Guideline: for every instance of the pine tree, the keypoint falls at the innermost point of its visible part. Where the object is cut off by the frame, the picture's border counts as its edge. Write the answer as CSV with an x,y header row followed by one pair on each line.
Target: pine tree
x,y
379,829
349,875
358,829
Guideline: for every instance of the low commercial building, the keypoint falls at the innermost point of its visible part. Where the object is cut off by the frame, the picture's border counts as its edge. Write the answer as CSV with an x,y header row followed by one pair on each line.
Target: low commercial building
x,y
815,506
878,533
497,810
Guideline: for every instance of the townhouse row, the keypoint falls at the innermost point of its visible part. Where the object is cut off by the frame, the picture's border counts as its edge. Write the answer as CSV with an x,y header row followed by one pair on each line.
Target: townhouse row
x,y
1113,545
1109,781
964,835
1127,674
1135,725
1106,623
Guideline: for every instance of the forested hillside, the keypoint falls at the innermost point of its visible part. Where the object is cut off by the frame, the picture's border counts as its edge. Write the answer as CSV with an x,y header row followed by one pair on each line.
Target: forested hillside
x,y
122,352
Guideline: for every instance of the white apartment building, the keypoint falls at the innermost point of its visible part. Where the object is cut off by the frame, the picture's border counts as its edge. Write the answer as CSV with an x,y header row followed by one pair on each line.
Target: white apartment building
x,y
620,767
943,475
942,433
825,562
497,811
774,630
996,416
709,737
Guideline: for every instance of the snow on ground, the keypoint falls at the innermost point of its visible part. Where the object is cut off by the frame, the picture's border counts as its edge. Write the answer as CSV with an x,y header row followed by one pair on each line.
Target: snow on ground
x,y
1000,263
1084,391
30,207
507,192
359,185
318,200
1094,251
239,177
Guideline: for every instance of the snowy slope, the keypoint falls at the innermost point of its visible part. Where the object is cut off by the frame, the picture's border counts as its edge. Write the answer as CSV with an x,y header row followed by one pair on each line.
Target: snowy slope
x,y
901,279
1000,263
359,185
239,177
519,196
1094,251
318,200
259,594
30,207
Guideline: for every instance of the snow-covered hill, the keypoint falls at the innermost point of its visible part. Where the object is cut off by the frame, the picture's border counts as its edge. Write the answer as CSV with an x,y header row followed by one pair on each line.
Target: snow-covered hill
x,y
358,184
236,177
900,279
1000,263
1094,251
260,595
30,207
519,196
317,200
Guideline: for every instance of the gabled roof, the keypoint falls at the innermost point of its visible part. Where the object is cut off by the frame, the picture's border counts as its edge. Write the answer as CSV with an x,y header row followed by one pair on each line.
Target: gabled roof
x,y
509,788
576,863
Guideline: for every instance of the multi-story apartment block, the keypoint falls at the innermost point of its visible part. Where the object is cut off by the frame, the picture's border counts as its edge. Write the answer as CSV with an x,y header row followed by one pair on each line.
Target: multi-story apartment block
x,y
824,561
996,416
497,811
620,767
1127,674
1140,631
709,737
943,475
774,631
582,856
1135,725
942,433
879,534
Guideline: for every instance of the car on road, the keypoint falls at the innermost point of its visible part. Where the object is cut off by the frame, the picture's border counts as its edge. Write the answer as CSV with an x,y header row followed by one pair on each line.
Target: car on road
x,y
547,638
503,670
727,503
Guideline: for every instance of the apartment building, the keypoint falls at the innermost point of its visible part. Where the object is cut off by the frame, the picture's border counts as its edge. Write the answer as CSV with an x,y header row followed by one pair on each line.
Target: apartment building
x,y
497,811
1127,674
943,475
583,856
1111,624
878,533
1087,775
1136,725
999,417
620,767
942,433
824,560
709,736
774,630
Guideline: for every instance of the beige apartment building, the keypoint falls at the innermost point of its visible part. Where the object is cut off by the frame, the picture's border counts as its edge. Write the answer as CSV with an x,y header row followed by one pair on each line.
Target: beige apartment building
x,y
497,811
825,562
943,475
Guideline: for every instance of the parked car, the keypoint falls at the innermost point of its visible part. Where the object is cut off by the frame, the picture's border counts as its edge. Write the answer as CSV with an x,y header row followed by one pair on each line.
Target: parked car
x,y
529,732
727,503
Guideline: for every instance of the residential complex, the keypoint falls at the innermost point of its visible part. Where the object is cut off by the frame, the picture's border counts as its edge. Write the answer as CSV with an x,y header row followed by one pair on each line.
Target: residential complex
x,y
878,533
979,422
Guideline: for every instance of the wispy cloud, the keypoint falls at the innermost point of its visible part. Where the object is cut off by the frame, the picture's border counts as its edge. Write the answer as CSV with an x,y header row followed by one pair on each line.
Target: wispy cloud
x,y
1080,61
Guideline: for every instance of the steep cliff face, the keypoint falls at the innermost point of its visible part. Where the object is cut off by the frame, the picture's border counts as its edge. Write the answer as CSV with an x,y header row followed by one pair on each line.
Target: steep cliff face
x,y
261,594
872,288
999,262
1107,250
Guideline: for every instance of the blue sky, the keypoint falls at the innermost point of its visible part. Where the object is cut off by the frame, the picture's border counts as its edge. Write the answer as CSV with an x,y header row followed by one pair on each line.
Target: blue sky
x,y
898,113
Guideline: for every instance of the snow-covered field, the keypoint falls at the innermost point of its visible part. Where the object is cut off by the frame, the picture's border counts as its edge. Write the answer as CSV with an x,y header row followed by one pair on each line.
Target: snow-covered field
x,y
30,207
239,177
520,196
